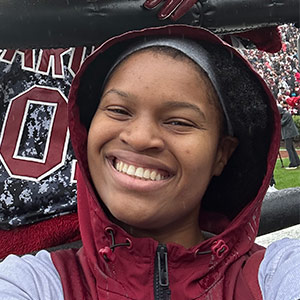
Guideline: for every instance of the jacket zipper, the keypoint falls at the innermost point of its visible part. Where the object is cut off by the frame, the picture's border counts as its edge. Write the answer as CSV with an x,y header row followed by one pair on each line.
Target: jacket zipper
x,y
161,276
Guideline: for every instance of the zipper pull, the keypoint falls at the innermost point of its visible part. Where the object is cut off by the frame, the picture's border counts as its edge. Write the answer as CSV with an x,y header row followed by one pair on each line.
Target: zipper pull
x,y
162,261
161,276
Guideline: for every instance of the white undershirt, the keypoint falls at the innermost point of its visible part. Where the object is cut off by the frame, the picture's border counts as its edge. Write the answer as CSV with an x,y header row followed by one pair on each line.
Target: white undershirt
x,y
30,277
279,271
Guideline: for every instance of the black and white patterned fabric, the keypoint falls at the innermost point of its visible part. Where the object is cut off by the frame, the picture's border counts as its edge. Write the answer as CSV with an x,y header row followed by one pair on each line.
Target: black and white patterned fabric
x,y
37,166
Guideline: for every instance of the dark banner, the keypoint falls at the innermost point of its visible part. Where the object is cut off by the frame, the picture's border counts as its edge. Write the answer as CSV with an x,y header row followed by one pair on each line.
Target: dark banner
x,y
57,23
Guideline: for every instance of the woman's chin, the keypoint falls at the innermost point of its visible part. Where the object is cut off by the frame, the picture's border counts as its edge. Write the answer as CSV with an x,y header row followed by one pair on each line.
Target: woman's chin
x,y
136,225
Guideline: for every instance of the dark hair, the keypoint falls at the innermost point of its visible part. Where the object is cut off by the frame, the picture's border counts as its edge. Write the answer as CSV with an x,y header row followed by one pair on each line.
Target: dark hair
x,y
248,107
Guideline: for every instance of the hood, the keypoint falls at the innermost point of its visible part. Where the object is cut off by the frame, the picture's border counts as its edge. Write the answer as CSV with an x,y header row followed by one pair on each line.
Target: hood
x,y
232,203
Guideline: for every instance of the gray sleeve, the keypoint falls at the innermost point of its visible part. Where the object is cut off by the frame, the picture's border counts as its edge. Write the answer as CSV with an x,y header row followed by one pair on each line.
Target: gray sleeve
x,y
30,277
285,119
279,271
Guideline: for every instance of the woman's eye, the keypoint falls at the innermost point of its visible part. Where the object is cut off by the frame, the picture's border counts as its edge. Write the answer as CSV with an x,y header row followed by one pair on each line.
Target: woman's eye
x,y
180,123
118,111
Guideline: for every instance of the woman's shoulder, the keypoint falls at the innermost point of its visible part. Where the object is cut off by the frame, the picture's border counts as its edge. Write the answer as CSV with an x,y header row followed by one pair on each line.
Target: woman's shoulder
x,y
279,271
30,277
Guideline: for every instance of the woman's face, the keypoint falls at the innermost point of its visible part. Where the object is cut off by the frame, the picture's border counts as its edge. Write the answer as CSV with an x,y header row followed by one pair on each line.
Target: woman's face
x,y
154,144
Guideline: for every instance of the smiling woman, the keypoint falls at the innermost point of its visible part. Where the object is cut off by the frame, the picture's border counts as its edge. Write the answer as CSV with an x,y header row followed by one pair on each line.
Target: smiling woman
x,y
176,139
141,128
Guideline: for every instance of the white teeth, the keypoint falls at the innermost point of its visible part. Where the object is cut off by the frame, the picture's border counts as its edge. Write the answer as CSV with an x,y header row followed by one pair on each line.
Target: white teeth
x,y
125,168
153,175
131,170
146,174
138,171
158,177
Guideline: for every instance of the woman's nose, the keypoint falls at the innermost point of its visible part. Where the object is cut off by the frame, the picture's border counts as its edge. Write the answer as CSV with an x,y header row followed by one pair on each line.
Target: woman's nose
x,y
142,134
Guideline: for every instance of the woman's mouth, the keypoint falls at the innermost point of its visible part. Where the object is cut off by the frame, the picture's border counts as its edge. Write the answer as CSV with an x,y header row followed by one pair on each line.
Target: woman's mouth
x,y
139,172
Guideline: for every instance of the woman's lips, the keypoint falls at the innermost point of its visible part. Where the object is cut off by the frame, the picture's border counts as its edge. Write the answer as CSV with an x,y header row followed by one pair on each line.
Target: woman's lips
x,y
141,160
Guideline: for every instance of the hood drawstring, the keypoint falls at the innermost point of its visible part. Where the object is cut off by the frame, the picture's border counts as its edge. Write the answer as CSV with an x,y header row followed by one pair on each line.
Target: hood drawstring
x,y
107,252
219,248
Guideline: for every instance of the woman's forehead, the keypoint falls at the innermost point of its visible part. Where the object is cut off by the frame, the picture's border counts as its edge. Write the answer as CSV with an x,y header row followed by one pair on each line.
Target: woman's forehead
x,y
151,76
167,57
161,55
158,64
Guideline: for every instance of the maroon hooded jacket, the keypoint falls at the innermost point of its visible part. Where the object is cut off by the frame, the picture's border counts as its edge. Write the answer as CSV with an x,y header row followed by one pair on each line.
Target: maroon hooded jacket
x,y
112,264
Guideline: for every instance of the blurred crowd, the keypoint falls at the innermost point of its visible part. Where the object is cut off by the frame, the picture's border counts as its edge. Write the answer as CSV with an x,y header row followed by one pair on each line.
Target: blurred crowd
x,y
281,70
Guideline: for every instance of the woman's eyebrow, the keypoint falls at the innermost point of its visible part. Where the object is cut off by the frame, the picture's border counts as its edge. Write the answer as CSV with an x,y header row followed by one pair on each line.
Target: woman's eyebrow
x,y
118,92
181,104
